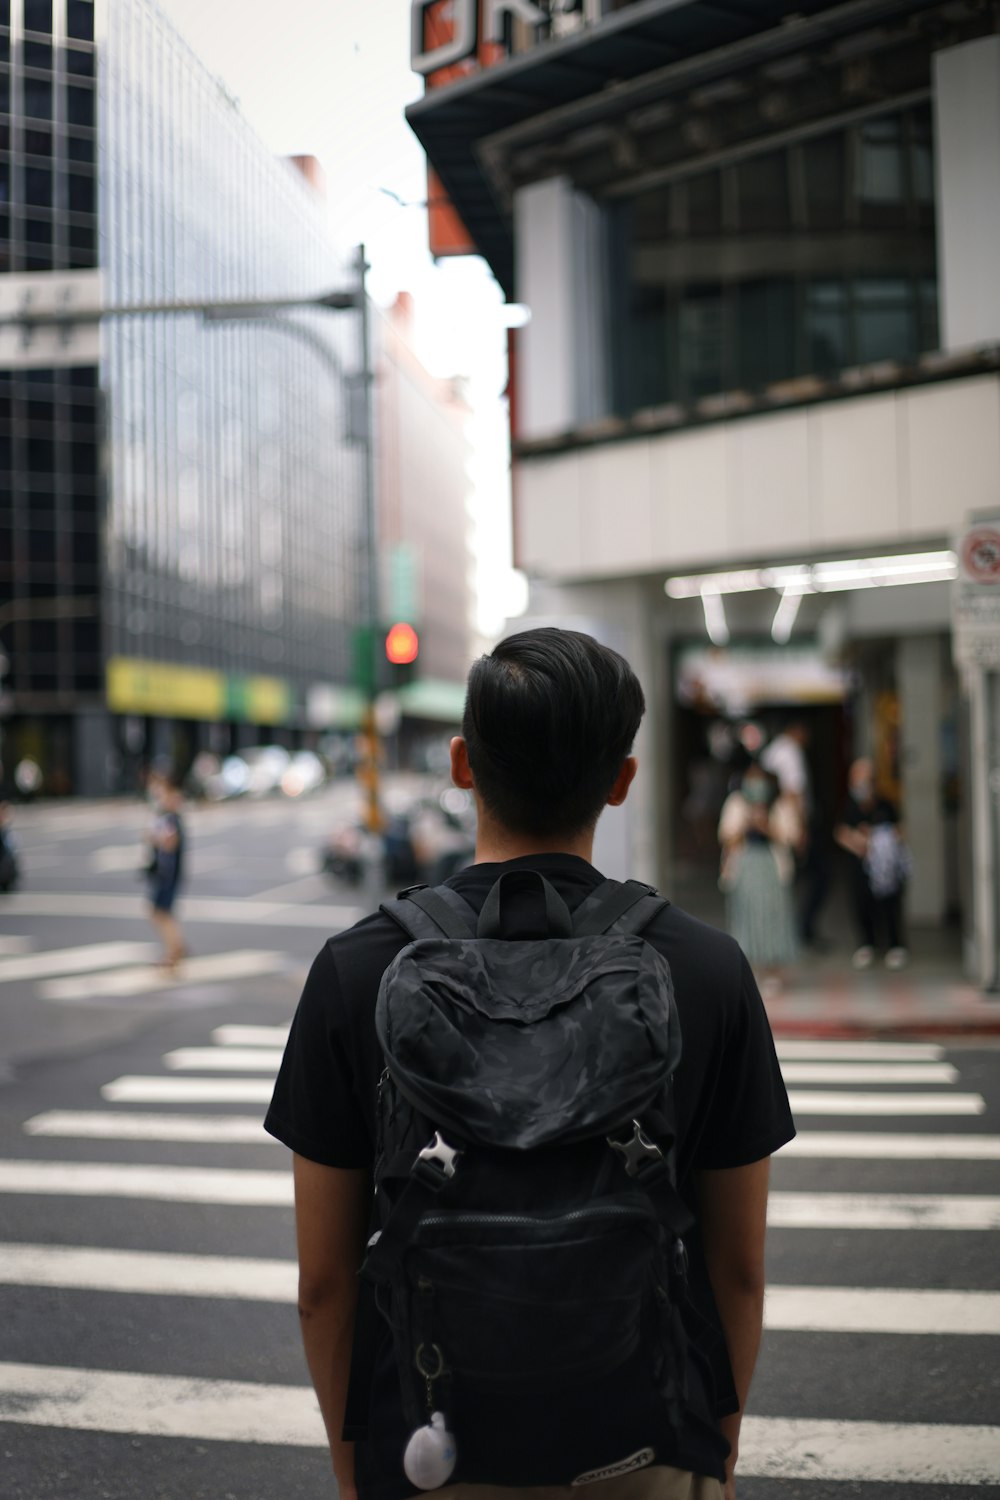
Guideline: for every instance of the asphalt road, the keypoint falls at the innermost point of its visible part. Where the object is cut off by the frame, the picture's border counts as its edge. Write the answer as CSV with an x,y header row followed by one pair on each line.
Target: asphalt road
x,y
150,1348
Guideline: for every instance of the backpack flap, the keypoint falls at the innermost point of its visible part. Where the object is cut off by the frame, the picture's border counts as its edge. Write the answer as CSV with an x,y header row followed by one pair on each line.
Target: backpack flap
x,y
523,1044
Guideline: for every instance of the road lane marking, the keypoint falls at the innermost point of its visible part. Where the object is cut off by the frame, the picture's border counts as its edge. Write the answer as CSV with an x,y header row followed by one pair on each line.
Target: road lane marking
x,y
857,1145
78,960
232,1411
242,1411
896,1453
107,1125
869,1072
232,1060
811,1309
803,1049
787,1210
126,1180
137,1089
824,1309
817,1102
243,963
250,1036
249,912
147,1273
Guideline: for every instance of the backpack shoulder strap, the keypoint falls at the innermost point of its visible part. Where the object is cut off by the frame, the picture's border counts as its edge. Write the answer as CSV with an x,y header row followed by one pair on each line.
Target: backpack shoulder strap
x,y
423,912
627,906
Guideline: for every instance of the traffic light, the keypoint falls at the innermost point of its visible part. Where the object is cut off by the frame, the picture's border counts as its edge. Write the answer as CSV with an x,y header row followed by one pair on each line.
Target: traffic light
x,y
402,647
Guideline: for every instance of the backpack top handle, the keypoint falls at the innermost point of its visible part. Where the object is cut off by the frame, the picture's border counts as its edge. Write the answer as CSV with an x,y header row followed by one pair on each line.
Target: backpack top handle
x,y
558,921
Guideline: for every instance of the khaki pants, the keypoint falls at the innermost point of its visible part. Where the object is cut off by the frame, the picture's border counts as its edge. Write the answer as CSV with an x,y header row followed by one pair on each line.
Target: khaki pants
x,y
658,1483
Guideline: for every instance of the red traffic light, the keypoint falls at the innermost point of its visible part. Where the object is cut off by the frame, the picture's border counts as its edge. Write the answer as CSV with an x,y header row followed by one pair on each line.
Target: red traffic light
x,y
401,644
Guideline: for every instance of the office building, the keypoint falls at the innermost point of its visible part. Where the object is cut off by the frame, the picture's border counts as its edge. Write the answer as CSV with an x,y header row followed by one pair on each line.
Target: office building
x,y
183,555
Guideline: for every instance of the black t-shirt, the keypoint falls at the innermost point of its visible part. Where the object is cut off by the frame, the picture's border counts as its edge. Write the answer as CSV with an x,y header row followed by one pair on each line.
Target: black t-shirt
x,y
731,1108
880,810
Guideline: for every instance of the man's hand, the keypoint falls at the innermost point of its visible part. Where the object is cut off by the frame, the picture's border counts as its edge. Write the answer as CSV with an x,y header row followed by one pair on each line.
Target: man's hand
x,y
331,1222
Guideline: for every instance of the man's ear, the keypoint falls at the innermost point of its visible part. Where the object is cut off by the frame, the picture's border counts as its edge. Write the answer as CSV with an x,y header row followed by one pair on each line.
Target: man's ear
x,y
623,781
461,771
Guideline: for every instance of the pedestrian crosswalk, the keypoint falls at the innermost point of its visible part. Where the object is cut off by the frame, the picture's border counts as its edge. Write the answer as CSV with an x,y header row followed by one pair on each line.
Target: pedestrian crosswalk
x,y
196,1098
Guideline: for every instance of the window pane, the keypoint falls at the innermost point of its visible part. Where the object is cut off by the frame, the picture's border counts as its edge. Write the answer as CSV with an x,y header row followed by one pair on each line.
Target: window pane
x,y
38,15
704,195
38,98
80,106
81,193
79,62
4,181
880,163
765,333
922,156
81,148
38,232
700,341
762,186
38,186
827,327
38,142
80,20
824,161
884,319
37,55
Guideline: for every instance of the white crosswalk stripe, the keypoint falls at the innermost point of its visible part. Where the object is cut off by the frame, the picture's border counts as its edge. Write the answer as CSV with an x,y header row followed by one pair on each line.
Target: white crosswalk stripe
x,y
106,1125
247,963
227,1059
816,1102
79,960
811,1308
139,1089
856,1146
250,1036
868,1072
127,1180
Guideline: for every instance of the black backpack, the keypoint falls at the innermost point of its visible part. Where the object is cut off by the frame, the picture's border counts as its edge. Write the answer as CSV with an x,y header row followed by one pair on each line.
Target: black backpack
x,y
529,1232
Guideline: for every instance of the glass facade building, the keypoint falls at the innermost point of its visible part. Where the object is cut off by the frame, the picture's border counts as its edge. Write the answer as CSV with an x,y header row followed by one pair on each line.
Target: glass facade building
x,y
199,491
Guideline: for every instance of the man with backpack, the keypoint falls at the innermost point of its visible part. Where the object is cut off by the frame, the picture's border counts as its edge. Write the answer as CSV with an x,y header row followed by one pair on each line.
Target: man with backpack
x,y
565,1093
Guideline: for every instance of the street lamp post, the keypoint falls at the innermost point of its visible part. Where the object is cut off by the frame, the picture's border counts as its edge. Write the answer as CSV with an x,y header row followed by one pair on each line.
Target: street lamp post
x,y
64,315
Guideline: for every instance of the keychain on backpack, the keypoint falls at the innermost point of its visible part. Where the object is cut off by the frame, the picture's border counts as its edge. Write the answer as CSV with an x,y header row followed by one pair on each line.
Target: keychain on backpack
x,y
429,1458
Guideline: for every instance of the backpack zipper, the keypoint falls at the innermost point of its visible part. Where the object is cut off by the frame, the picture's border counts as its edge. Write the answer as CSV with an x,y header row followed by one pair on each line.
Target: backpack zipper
x,y
607,1211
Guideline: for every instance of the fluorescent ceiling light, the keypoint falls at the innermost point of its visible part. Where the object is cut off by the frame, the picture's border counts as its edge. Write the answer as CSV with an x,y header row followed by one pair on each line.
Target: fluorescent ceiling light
x,y
715,618
784,616
820,577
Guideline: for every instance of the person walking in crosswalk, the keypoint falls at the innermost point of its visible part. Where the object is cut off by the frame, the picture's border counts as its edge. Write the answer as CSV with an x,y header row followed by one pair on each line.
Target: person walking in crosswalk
x,y
165,866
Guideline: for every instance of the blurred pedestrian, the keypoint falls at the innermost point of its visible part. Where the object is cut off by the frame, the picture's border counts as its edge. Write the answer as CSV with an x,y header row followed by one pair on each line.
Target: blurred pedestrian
x,y
869,830
8,845
758,830
785,757
165,866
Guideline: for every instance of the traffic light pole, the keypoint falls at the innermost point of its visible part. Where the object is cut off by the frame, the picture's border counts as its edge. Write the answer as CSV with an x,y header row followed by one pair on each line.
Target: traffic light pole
x,y
369,769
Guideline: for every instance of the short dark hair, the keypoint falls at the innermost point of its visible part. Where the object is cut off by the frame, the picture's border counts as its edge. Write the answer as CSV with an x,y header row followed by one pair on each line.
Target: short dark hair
x,y
550,717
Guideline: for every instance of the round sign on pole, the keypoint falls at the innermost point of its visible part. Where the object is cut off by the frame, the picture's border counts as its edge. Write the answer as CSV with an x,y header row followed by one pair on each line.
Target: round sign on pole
x,y
979,555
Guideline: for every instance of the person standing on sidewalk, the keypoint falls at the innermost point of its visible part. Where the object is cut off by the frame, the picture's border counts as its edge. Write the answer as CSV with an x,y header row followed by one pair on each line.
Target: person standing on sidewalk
x,y
869,830
165,867
759,828
549,723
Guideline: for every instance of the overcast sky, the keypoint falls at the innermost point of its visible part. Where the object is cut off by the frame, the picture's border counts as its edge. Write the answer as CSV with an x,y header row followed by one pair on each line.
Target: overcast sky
x,y
331,78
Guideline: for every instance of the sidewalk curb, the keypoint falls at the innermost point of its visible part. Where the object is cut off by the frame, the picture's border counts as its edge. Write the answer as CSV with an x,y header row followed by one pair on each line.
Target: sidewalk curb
x,y
909,1026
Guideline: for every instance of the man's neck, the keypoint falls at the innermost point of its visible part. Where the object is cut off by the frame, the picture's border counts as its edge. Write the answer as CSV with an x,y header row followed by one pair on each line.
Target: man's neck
x,y
495,844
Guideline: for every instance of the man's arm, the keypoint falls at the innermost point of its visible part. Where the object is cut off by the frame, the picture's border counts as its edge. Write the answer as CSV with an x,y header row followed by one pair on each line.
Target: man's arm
x,y
331,1222
732,1212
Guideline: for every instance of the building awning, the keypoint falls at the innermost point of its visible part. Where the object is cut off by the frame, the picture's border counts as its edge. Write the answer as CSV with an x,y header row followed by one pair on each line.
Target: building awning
x,y
601,63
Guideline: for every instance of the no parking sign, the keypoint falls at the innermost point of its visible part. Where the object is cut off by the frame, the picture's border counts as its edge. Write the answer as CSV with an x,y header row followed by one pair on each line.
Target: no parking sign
x,y
976,597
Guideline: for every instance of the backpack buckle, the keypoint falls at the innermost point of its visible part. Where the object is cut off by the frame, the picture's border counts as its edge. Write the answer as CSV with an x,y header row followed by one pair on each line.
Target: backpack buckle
x,y
439,1155
637,1153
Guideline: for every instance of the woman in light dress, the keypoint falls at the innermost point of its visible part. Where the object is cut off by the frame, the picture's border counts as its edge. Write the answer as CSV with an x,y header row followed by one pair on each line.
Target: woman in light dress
x,y
759,830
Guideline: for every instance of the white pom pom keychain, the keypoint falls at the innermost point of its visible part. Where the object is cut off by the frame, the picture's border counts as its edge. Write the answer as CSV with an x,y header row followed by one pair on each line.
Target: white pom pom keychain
x,y
429,1459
